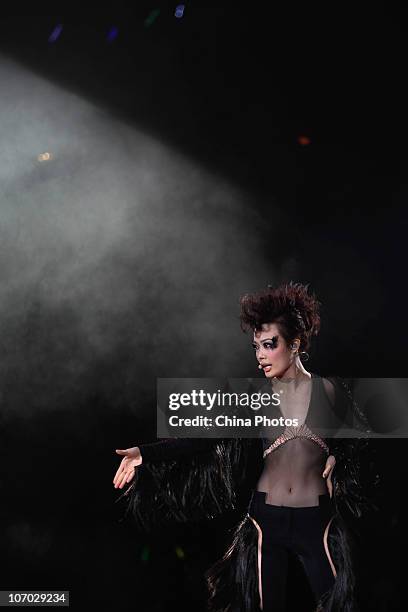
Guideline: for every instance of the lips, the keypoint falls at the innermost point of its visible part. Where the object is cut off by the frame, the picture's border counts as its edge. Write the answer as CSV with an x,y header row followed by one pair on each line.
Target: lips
x,y
267,367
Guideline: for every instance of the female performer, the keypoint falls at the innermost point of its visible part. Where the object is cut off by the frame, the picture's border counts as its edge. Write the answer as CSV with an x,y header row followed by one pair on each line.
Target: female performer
x,y
297,486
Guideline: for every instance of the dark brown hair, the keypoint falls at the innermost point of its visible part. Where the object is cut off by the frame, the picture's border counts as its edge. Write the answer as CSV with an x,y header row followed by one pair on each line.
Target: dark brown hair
x,y
290,306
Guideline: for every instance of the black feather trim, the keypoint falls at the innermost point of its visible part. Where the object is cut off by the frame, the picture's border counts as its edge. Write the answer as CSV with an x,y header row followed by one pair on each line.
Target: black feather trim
x,y
191,488
355,475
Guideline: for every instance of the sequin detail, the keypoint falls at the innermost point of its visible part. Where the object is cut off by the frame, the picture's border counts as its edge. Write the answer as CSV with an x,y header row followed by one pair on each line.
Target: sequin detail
x,y
290,433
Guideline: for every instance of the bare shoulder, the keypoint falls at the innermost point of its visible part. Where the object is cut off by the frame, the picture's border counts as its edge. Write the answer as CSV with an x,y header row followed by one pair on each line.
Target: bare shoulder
x,y
330,390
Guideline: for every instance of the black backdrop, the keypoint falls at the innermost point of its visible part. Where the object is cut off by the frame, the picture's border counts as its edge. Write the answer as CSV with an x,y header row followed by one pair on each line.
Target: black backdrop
x,y
232,89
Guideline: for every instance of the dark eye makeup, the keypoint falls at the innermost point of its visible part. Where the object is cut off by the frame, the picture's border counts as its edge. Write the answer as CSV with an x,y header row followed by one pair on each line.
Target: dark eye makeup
x,y
268,343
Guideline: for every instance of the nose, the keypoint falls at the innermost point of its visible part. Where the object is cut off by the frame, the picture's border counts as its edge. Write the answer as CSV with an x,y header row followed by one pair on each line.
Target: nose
x,y
261,355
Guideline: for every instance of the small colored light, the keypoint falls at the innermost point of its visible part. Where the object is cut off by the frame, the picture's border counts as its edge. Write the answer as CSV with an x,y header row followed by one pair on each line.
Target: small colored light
x,y
152,17
304,140
44,157
55,33
180,552
112,34
179,11
145,554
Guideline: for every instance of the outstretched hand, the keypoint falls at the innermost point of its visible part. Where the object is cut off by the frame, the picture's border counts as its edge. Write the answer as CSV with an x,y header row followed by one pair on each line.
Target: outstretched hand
x,y
132,458
327,473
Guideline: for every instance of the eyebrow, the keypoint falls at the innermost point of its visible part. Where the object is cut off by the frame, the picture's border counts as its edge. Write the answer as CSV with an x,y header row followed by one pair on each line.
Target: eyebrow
x,y
265,340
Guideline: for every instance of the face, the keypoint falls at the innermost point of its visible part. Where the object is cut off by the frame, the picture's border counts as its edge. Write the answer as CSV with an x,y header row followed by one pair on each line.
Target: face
x,y
271,351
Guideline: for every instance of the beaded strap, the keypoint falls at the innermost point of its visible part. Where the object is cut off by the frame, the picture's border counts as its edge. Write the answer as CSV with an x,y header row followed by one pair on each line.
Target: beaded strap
x,y
302,431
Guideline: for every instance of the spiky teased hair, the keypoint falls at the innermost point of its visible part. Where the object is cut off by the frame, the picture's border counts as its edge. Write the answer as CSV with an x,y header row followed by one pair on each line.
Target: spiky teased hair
x,y
290,306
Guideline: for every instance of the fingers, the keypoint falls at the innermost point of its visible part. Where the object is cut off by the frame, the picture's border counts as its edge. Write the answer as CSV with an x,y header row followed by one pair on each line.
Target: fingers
x,y
119,470
330,487
122,463
329,482
120,482
124,478
330,463
125,471
327,470
130,475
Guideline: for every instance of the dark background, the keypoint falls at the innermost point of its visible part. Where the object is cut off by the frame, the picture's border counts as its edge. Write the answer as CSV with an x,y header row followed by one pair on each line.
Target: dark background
x,y
232,89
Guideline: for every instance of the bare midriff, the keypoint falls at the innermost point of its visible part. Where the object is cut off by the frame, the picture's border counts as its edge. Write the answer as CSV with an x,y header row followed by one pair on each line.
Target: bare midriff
x,y
292,474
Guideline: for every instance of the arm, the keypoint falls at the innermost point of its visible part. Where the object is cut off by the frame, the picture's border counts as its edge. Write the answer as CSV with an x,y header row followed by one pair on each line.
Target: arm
x,y
352,480
157,452
201,485
174,448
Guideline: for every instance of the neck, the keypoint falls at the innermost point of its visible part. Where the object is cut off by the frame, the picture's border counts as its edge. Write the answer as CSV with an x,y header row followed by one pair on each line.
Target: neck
x,y
295,371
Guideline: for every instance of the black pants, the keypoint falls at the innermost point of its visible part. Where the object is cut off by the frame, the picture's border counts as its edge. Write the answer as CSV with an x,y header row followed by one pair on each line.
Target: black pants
x,y
284,530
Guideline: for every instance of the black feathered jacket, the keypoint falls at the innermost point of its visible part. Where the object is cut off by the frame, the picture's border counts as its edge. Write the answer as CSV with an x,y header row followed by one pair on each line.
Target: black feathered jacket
x,y
195,479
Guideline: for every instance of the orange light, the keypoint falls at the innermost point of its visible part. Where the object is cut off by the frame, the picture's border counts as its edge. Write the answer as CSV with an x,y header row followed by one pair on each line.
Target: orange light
x,y
304,141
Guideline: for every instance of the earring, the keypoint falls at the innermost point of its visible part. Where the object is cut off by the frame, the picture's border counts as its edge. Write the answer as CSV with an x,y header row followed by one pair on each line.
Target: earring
x,y
304,356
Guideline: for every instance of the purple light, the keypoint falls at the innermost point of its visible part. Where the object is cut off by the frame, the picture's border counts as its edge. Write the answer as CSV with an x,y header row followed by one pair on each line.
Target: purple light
x,y
55,33
179,11
112,34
